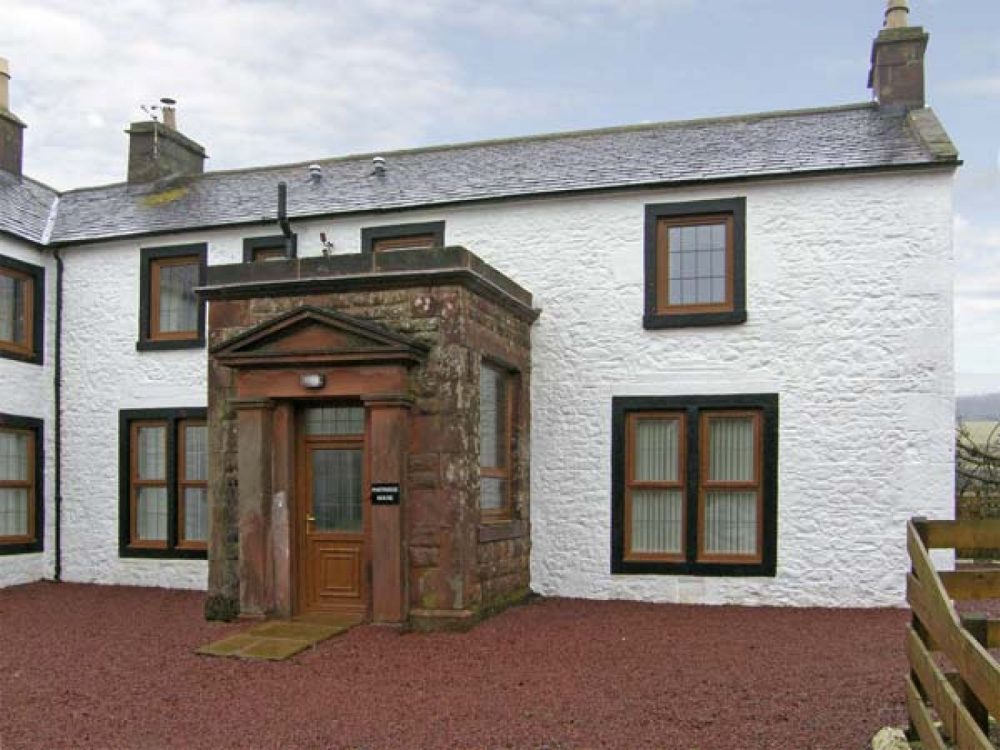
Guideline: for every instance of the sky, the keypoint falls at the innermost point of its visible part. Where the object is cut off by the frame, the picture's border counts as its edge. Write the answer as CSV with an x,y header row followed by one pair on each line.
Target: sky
x,y
262,82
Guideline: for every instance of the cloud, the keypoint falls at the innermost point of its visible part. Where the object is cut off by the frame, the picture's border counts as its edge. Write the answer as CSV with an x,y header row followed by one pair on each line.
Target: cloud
x,y
989,86
977,294
270,81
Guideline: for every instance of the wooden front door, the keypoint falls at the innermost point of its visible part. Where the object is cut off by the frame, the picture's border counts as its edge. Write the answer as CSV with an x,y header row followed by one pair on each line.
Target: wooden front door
x,y
331,519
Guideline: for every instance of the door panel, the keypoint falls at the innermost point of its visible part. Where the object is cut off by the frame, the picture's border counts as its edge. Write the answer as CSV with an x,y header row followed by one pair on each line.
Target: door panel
x,y
332,553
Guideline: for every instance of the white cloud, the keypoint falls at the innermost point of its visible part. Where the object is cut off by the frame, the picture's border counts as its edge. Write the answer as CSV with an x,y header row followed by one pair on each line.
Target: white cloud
x,y
989,86
267,81
977,295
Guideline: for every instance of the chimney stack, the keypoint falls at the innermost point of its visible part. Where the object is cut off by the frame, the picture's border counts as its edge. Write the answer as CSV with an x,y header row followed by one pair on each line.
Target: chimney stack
x,y
11,127
157,150
897,72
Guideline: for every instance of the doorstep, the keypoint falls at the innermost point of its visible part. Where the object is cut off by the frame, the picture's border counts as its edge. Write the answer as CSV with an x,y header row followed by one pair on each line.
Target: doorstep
x,y
275,640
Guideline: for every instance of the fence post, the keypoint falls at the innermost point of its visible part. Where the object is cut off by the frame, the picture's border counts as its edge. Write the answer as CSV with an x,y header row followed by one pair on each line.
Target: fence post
x,y
911,731
977,625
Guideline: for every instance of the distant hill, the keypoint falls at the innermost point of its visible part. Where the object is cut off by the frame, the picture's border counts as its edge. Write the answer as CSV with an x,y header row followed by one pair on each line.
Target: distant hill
x,y
985,406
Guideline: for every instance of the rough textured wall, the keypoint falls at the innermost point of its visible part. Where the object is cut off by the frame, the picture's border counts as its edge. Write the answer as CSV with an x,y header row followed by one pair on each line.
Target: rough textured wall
x,y
26,390
849,302
104,374
850,310
850,320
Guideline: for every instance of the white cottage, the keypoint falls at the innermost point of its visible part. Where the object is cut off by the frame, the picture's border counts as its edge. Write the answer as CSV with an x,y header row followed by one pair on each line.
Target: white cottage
x,y
704,361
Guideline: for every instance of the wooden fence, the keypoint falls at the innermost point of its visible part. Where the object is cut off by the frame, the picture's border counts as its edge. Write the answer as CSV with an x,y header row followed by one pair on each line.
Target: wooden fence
x,y
966,692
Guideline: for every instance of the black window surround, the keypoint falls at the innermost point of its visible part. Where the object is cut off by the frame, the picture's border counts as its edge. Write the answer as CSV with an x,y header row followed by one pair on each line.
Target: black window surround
x,y
369,235
654,317
37,276
172,417
36,426
146,257
693,407
252,244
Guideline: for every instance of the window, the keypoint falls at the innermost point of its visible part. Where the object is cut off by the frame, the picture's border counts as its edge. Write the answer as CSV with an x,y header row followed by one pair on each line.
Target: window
x,y
694,485
22,289
21,505
695,263
496,408
268,248
170,314
402,237
164,483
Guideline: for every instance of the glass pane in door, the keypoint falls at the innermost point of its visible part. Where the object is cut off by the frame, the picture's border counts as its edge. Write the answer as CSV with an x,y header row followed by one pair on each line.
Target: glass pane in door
x,y
336,489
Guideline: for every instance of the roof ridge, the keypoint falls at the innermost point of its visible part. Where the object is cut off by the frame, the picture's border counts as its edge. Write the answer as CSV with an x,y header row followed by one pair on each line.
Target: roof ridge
x,y
50,221
536,137
932,134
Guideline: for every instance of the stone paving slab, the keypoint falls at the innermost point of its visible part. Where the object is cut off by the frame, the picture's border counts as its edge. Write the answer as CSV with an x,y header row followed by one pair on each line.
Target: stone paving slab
x,y
275,640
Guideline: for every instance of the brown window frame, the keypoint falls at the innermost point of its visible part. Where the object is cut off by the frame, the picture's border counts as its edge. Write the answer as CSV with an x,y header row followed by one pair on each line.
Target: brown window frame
x,y
136,484
705,485
505,472
152,260
401,236
130,420
183,483
155,291
660,217
33,310
631,484
663,227
268,253
33,540
697,412
409,242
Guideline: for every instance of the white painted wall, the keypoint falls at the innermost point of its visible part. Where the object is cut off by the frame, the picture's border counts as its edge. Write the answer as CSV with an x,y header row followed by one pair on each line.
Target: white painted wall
x,y
103,374
850,321
26,390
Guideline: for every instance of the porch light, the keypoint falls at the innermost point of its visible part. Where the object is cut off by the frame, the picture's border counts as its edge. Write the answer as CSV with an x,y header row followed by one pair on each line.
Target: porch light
x,y
313,380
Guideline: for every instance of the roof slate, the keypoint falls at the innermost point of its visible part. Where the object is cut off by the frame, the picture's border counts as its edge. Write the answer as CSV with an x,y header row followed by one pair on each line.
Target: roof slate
x,y
25,207
860,136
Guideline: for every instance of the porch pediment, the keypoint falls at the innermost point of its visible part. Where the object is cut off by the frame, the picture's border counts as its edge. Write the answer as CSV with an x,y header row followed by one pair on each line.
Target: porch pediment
x,y
312,335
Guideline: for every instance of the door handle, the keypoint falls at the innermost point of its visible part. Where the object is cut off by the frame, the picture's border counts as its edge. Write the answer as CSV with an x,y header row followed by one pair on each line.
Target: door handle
x,y
310,519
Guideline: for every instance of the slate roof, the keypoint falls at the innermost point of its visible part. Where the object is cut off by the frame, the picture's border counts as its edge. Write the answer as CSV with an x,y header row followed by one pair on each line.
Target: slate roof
x,y
859,136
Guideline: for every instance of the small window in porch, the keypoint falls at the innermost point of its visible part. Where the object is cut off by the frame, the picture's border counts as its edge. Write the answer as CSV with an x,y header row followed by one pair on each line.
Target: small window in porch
x,y
496,402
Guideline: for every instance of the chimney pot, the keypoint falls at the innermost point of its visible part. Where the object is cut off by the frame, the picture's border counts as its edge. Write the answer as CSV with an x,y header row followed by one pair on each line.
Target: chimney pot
x,y
169,112
897,14
4,84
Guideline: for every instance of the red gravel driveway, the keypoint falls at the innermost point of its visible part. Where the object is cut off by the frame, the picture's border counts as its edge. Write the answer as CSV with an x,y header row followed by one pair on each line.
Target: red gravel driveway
x,y
109,667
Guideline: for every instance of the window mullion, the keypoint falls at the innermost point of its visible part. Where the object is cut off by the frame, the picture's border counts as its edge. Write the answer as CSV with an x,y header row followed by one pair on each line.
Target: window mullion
x,y
171,447
693,475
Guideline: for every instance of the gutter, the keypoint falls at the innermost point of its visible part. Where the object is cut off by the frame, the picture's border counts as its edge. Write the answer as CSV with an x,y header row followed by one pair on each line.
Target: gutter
x,y
57,390
57,385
